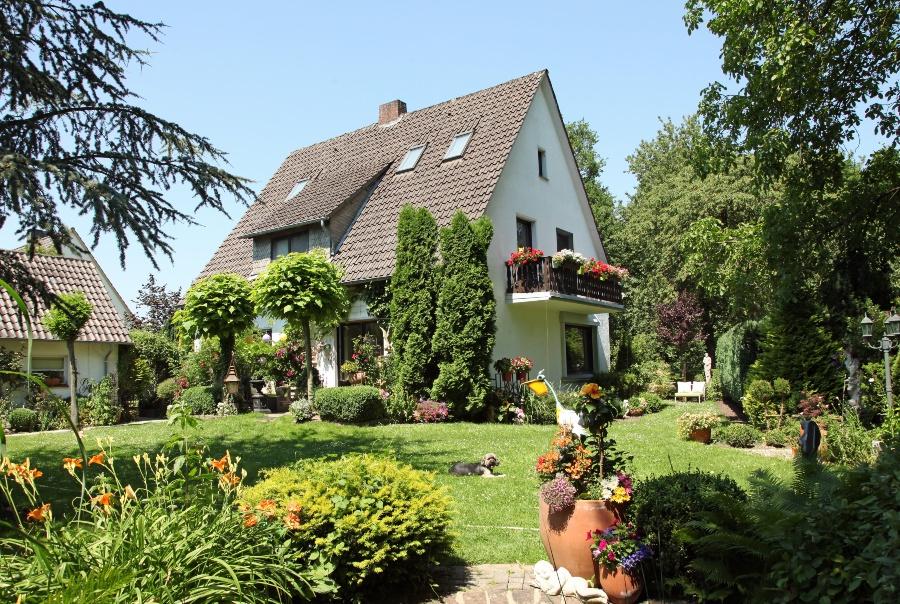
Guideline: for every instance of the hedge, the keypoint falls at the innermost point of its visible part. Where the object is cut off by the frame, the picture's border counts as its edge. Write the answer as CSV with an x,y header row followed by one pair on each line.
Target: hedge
x,y
350,404
736,349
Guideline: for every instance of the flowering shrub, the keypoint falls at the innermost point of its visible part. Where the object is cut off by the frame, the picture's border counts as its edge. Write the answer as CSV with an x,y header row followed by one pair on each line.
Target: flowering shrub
x,y
618,546
302,410
602,271
521,364
226,408
688,422
381,522
617,488
525,255
429,412
558,494
567,258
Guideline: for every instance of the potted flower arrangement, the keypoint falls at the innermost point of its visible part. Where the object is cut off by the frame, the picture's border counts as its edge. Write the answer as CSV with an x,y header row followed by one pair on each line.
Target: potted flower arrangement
x,y
351,371
521,365
617,551
580,483
525,255
525,264
504,368
697,426
567,259
602,271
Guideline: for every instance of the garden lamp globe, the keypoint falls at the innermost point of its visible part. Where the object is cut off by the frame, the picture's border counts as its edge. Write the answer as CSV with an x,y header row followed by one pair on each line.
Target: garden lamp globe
x,y
267,337
232,381
892,325
865,326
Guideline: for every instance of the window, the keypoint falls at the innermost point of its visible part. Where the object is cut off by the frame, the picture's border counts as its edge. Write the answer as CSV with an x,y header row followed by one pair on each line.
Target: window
x,y
524,237
564,240
296,189
53,370
411,159
348,332
579,349
458,146
298,242
542,163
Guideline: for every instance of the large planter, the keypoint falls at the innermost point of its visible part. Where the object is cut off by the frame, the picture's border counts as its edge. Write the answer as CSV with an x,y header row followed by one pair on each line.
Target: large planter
x,y
702,435
564,533
620,587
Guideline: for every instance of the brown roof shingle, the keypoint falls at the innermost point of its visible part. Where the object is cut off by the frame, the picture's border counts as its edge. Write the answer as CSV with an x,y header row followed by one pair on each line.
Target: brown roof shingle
x,y
339,167
65,275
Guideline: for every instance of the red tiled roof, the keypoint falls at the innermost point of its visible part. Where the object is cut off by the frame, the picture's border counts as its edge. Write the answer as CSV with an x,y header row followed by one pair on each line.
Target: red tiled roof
x,y
65,275
339,167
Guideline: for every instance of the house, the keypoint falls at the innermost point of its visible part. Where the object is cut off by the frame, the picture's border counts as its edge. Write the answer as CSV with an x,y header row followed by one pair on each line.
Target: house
x,y
501,152
97,348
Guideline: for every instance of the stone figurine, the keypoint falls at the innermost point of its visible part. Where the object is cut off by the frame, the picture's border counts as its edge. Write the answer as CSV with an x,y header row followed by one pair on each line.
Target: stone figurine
x,y
707,367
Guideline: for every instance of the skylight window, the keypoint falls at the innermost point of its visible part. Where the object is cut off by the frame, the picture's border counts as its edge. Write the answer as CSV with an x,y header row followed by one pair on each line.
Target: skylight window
x,y
411,159
296,189
458,146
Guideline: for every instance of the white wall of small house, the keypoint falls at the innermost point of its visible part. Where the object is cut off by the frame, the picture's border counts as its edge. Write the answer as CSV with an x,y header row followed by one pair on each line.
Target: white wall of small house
x,y
554,202
94,361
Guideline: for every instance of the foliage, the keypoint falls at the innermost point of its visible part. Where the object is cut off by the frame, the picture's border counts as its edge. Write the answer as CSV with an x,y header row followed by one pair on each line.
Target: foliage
x,y
429,412
742,436
5,408
715,385
51,409
183,513
665,504
414,300
288,363
368,360
226,407
680,324
806,74
168,390
380,521
619,546
847,441
102,407
503,365
23,420
155,306
400,406
68,113
218,306
350,404
302,410
10,361
302,289
773,547
465,330
200,367
199,399
137,382
68,315
603,205
688,422
648,402
757,402
736,350
158,350
538,409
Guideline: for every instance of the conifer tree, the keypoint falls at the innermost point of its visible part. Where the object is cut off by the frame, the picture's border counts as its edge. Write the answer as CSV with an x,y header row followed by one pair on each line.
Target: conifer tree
x,y
466,317
413,300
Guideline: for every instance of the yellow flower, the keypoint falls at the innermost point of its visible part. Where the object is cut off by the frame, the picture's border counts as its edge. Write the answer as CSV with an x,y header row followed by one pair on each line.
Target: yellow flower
x,y
620,495
39,514
592,390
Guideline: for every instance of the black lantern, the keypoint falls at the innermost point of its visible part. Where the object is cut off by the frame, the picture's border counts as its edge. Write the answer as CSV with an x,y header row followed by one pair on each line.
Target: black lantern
x,y
865,327
892,325
232,381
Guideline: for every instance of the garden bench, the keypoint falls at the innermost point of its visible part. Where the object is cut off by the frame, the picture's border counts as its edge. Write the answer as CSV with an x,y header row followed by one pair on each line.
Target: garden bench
x,y
687,390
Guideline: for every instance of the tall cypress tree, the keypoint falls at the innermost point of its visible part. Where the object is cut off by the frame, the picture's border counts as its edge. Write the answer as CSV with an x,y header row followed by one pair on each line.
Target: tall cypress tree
x,y
413,298
466,317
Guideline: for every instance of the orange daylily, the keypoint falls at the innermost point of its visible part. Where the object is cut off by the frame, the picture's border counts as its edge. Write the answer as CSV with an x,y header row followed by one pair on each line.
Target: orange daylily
x,y
292,521
592,390
71,463
230,479
267,507
98,459
22,471
39,514
220,464
104,499
250,520
294,507
129,493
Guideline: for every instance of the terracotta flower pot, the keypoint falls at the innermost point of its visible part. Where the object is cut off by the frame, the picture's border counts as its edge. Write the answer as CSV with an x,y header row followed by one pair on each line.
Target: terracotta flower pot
x,y
702,435
522,376
564,534
620,587
53,381
507,376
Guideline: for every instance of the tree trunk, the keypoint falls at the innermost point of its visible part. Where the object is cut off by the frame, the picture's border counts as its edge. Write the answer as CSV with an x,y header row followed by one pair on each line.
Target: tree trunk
x,y
307,343
73,381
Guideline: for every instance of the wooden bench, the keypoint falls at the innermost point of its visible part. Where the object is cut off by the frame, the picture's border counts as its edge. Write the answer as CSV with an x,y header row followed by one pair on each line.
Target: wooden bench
x,y
688,390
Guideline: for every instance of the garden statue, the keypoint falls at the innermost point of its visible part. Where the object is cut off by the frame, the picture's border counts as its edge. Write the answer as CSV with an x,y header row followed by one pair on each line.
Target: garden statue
x,y
707,368
560,581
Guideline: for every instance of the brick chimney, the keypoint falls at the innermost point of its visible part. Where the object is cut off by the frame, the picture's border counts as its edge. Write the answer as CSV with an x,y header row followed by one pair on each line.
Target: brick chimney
x,y
388,112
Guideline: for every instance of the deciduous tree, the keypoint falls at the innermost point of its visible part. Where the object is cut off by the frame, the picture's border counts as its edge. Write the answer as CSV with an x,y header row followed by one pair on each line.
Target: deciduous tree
x,y
680,324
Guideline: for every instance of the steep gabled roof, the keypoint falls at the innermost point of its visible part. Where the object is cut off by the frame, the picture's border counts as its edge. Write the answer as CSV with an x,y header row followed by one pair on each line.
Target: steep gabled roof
x,y
65,275
339,167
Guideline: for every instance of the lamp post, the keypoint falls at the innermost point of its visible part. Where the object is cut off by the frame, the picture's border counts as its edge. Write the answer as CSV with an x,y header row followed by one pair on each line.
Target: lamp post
x,y
232,381
885,345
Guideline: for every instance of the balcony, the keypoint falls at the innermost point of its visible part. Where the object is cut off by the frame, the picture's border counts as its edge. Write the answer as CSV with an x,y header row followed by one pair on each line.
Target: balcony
x,y
539,281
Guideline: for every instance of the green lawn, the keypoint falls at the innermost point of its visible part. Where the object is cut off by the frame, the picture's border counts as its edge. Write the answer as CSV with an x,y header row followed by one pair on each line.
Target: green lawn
x,y
496,520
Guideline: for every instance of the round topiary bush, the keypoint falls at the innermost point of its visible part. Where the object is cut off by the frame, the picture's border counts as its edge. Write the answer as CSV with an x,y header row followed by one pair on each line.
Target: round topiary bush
x,y
350,404
380,522
742,436
776,437
166,390
666,504
23,420
200,399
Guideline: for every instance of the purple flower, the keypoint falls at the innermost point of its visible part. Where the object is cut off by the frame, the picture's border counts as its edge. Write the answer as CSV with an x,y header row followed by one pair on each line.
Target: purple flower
x,y
558,494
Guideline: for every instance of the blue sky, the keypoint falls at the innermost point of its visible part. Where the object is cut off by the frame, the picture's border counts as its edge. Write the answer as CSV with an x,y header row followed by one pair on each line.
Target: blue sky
x,y
260,79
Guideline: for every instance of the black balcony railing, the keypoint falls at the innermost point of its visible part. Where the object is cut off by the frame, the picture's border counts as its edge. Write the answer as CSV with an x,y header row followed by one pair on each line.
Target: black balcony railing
x,y
542,277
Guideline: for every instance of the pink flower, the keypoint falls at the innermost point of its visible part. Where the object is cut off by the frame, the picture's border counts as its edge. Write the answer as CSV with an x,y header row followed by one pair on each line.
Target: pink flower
x,y
602,544
610,556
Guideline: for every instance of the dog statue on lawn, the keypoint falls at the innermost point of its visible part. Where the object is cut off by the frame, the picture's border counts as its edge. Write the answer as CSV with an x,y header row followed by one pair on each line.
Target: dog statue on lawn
x,y
483,468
